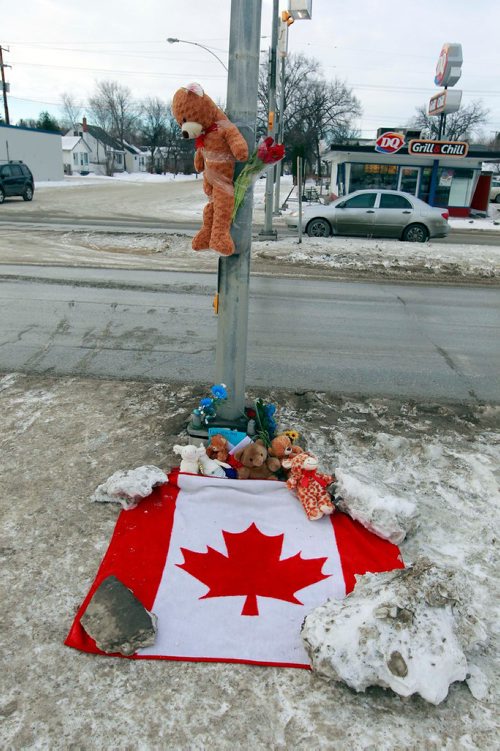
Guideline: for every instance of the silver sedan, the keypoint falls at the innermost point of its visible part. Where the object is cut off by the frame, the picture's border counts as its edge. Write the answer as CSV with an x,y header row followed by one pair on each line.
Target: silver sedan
x,y
374,213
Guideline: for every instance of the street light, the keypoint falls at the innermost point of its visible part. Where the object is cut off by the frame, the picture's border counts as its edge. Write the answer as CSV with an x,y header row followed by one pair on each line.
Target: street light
x,y
171,40
298,10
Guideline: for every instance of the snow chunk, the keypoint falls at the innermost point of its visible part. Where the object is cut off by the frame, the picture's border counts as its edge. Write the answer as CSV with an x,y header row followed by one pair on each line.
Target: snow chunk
x,y
405,630
477,683
374,505
129,486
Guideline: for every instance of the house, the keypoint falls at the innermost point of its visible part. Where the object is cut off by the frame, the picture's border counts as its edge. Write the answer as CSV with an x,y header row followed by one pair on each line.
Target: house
x,y
75,155
106,154
135,159
40,150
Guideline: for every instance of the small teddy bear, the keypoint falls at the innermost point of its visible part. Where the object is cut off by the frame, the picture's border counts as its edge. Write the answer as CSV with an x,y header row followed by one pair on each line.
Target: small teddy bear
x,y
218,448
256,463
212,467
310,485
219,144
190,457
283,448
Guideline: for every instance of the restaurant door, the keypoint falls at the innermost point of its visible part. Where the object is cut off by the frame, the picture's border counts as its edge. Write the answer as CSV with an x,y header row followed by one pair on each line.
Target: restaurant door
x,y
409,178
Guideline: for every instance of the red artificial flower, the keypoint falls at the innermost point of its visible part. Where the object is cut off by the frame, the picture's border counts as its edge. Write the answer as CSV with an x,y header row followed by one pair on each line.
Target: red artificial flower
x,y
270,152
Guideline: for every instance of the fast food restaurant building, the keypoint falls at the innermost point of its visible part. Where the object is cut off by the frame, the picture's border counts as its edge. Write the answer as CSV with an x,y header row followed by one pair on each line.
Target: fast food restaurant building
x,y
446,179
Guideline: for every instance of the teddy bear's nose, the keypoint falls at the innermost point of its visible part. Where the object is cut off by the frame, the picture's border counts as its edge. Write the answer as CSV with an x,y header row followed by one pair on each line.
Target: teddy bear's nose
x,y
185,134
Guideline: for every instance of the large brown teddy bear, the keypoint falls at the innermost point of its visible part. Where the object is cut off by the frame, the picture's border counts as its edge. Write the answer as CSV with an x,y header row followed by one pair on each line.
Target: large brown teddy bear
x,y
256,463
218,144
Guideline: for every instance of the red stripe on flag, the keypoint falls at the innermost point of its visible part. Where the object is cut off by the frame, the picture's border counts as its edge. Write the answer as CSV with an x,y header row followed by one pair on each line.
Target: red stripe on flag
x,y
136,554
361,551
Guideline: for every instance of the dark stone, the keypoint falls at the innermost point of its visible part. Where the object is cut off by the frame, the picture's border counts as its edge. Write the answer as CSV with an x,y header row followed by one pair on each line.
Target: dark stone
x,y
397,665
117,620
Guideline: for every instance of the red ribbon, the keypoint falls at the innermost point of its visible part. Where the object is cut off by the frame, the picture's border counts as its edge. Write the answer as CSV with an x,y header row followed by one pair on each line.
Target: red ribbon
x,y
200,141
310,475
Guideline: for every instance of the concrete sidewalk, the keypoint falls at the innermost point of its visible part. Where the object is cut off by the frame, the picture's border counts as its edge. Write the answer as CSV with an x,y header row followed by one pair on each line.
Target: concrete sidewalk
x,y
61,437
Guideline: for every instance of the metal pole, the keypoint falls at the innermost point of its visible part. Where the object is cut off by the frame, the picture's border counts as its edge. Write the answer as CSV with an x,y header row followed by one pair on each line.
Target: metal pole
x,y
281,129
234,271
299,188
268,233
4,87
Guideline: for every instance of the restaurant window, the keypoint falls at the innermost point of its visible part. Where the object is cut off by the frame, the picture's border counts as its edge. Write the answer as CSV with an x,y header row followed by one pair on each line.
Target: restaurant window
x,y
373,176
425,184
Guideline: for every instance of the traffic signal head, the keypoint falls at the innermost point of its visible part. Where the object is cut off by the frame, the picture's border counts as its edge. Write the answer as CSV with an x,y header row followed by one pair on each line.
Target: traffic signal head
x,y
286,17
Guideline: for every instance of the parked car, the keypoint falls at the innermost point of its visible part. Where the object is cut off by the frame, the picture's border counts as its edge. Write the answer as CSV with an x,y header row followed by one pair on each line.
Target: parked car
x,y
16,180
374,213
495,190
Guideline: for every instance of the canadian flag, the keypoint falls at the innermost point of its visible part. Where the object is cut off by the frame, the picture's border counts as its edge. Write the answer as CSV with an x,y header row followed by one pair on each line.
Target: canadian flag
x,y
232,567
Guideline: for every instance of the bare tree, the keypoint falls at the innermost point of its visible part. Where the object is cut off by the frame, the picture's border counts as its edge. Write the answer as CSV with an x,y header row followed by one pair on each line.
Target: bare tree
x,y
71,111
113,109
314,109
459,125
154,125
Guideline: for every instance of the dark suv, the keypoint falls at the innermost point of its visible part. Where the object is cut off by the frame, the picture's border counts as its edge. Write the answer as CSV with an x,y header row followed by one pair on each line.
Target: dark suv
x,y
16,180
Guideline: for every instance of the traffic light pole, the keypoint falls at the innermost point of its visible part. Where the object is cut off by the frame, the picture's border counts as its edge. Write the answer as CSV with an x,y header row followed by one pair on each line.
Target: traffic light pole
x,y
268,233
234,271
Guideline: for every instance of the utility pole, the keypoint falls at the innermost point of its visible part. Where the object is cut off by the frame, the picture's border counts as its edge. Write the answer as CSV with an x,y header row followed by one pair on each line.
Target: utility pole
x,y
4,84
234,271
268,233
282,53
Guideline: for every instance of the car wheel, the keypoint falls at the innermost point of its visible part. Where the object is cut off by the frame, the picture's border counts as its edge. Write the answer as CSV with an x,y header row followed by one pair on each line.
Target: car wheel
x,y
497,199
28,193
416,233
2,196
318,228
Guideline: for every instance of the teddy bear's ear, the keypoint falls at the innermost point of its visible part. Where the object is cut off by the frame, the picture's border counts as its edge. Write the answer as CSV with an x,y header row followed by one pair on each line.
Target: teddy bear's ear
x,y
195,88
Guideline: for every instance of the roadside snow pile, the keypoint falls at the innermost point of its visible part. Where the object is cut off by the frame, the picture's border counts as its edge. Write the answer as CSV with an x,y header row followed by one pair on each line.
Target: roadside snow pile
x,y
408,630
386,257
375,505
129,486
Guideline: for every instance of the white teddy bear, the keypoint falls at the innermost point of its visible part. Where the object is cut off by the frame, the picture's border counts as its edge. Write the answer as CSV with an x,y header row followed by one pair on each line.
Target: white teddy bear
x,y
190,457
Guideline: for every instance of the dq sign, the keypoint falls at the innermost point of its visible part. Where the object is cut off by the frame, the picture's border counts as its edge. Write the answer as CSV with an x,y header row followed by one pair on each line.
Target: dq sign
x,y
389,143
449,65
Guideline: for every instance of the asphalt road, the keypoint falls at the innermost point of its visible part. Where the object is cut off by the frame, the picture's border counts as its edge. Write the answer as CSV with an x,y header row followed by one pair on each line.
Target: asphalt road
x,y
413,341
467,237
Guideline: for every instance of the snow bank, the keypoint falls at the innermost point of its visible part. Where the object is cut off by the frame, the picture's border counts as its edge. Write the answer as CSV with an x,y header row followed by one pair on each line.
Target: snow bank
x,y
375,505
408,630
129,486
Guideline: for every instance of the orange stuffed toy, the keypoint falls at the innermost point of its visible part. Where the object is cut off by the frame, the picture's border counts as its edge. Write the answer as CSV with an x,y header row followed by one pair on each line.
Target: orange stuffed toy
x,y
310,485
218,144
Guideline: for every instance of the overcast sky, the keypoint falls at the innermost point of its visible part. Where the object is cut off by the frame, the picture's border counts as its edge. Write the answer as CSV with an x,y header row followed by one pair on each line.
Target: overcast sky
x,y
386,52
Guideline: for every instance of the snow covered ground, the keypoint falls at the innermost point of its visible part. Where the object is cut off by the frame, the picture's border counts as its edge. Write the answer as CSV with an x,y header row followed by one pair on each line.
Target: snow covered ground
x,y
60,437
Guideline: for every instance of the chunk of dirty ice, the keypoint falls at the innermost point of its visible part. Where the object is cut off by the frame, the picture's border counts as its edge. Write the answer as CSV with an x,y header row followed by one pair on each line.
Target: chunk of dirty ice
x,y
375,506
129,486
408,630
117,621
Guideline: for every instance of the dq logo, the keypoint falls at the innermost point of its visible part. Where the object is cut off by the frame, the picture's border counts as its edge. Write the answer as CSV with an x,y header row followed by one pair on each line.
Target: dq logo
x,y
389,143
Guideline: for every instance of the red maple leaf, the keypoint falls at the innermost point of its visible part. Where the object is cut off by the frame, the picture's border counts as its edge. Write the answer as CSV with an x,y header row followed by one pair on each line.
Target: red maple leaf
x,y
252,567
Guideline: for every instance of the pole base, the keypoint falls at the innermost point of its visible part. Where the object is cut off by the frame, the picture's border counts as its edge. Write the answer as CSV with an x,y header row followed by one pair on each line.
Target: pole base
x,y
268,235
201,431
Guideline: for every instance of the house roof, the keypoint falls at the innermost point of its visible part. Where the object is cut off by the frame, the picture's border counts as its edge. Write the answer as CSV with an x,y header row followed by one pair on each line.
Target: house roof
x,y
100,135
131,148
69,142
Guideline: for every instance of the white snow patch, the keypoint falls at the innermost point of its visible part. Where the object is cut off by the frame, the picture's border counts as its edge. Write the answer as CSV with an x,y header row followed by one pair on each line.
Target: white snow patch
x,y
128,487
376,506
407,630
